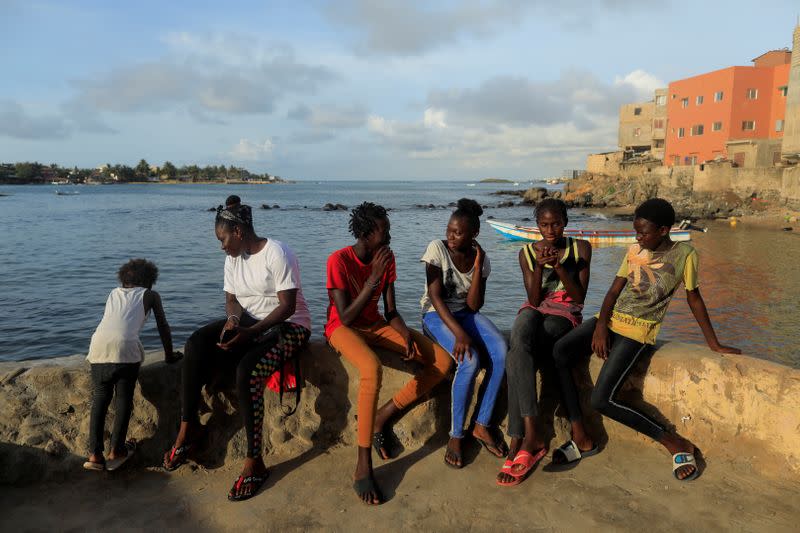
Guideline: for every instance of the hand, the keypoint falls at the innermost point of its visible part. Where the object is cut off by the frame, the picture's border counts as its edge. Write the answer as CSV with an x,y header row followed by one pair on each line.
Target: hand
x,y
230,324
547,256
173,358
600,343
242,336
380,262
412,350
480,255
719,348
462,347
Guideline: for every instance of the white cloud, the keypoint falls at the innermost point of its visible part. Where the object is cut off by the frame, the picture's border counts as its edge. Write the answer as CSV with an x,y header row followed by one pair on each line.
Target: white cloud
x,y
434,118
247,150
642,82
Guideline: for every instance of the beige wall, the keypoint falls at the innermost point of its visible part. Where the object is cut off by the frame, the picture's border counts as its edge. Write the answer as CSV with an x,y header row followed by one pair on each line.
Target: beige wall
x,y
629,122
758,153
715,177
790,186
606,163
791,127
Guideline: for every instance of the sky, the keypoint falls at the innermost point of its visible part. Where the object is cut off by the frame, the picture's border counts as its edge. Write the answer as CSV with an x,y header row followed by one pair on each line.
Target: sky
x,y
354,89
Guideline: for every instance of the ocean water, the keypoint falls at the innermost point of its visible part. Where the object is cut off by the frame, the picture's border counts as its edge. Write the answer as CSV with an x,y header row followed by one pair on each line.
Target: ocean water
x,y
60,255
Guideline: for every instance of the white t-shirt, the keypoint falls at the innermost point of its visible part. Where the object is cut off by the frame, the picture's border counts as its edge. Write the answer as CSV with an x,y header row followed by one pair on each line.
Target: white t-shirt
x,y
116,339
256,279
455,284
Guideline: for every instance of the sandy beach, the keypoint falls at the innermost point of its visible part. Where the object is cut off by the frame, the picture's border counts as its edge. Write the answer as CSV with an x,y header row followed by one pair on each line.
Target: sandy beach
x,y
626,488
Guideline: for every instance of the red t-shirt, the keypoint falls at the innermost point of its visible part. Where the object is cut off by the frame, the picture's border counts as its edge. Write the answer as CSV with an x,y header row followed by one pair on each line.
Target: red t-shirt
x,y
348,273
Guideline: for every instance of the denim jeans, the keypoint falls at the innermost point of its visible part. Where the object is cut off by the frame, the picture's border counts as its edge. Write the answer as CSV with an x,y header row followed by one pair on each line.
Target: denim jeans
x,y
532,339
486,339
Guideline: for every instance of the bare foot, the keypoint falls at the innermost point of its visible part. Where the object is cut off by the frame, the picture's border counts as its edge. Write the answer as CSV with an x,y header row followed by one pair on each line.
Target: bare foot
x,y
452,454
498,448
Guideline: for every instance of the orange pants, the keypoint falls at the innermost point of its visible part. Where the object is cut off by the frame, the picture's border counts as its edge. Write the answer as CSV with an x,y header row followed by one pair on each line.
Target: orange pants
x,y
354,345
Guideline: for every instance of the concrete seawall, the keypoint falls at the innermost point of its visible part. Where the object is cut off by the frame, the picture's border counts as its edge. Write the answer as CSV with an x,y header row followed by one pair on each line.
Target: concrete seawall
x,y
736,408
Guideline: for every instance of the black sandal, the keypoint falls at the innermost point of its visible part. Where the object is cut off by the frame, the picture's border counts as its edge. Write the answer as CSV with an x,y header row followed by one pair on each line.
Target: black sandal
x,y
367,486
500,446
176,457
383,439
254,481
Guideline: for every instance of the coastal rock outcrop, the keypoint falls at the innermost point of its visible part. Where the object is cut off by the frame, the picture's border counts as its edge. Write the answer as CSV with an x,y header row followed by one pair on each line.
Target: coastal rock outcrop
x,y
334,207
733,407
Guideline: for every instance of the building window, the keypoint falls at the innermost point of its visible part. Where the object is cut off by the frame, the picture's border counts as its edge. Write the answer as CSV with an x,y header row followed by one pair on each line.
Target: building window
x,y
674,96
676,160
681,132
776,158
658,143
716,126
752,94
783,91
779,125
738,159
658,124
637,111
661,99
698,100
697,130
718,96
748,125
690,160
685,102
637,132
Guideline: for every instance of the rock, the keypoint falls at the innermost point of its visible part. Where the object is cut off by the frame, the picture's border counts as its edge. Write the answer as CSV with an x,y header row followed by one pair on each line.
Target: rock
x,y
334,207
556,194
526,219
506,204
275,206
211,209
713,400
490,217
265,206
534,195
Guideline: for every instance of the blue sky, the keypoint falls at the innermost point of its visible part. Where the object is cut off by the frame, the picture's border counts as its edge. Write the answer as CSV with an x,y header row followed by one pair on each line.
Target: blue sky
x,y
354,89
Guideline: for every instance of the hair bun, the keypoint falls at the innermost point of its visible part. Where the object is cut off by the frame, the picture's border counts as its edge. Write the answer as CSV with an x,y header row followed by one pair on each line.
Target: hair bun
x,y
469,206
232,201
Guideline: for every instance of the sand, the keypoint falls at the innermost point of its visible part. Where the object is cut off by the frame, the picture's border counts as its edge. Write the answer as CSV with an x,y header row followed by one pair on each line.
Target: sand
x,y
628,487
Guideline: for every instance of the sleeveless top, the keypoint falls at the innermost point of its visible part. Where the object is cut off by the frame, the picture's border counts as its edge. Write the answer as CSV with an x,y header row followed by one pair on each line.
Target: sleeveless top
x,y
555,300
116,339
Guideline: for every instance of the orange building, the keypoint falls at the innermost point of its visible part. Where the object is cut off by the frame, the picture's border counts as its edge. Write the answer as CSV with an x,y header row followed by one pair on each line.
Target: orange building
x,y
706,112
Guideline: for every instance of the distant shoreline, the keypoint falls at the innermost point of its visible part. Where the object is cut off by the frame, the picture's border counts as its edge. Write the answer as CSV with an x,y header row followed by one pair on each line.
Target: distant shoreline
x,y
165,182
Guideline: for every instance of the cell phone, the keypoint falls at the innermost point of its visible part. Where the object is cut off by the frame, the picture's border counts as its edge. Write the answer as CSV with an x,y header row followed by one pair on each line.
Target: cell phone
x,y
227,335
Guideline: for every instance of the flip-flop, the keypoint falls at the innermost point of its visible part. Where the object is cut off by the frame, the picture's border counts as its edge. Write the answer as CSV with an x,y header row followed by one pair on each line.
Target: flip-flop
x,y
570,453
457,457
97,467
366,485
117,462
681,459
254,480
176,456
384,439
500,446
506,469
528,462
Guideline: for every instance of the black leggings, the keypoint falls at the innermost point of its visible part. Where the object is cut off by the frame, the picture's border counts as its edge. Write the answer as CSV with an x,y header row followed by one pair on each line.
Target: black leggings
x,y
622,357
253,363
532,338
111,380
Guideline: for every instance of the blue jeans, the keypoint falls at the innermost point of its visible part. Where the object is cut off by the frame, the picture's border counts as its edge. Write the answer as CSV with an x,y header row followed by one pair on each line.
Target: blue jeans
x,y
486,339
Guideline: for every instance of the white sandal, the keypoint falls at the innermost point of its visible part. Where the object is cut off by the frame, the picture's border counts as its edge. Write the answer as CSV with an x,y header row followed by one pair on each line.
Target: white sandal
x,y
681,459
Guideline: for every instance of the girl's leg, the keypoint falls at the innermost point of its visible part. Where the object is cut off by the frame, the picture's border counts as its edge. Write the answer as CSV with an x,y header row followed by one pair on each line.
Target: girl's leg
x,y
568,349
521,372
126,375
489,337
102,390
461,390
280,344
352,346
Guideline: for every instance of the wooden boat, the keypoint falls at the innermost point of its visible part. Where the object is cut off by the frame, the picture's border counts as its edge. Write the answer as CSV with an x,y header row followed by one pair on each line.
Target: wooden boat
x,y
608,237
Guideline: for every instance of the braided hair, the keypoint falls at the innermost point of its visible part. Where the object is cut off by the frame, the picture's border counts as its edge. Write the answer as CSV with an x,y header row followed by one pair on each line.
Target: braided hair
x,y
234,214
363,219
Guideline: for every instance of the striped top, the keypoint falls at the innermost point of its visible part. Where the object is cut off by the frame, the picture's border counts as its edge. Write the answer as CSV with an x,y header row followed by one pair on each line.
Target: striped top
x,y
555,300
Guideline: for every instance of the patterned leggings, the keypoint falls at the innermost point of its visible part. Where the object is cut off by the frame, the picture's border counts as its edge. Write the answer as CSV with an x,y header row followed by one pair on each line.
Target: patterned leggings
x,y
253,363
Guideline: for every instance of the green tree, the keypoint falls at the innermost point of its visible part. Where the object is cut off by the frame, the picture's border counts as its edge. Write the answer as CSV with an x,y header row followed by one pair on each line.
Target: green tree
x,y
169,170
143,169
27,171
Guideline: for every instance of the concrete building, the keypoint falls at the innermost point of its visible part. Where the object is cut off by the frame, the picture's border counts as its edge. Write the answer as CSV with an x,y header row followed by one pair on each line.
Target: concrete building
x,y
707,112
791,130
636,126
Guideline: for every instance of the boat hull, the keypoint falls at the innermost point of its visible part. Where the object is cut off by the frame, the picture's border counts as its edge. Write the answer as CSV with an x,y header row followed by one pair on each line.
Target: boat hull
x,y
595,237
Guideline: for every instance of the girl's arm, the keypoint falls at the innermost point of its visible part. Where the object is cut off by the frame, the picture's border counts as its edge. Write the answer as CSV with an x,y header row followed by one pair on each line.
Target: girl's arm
x,y
233,308
397,322
600,342
477,287
348,310
287,301
577,291
531,279
700,312
463,341
152,300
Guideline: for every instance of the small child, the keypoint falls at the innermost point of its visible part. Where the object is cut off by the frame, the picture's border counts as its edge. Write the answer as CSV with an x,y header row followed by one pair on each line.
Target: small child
x,y
116,353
